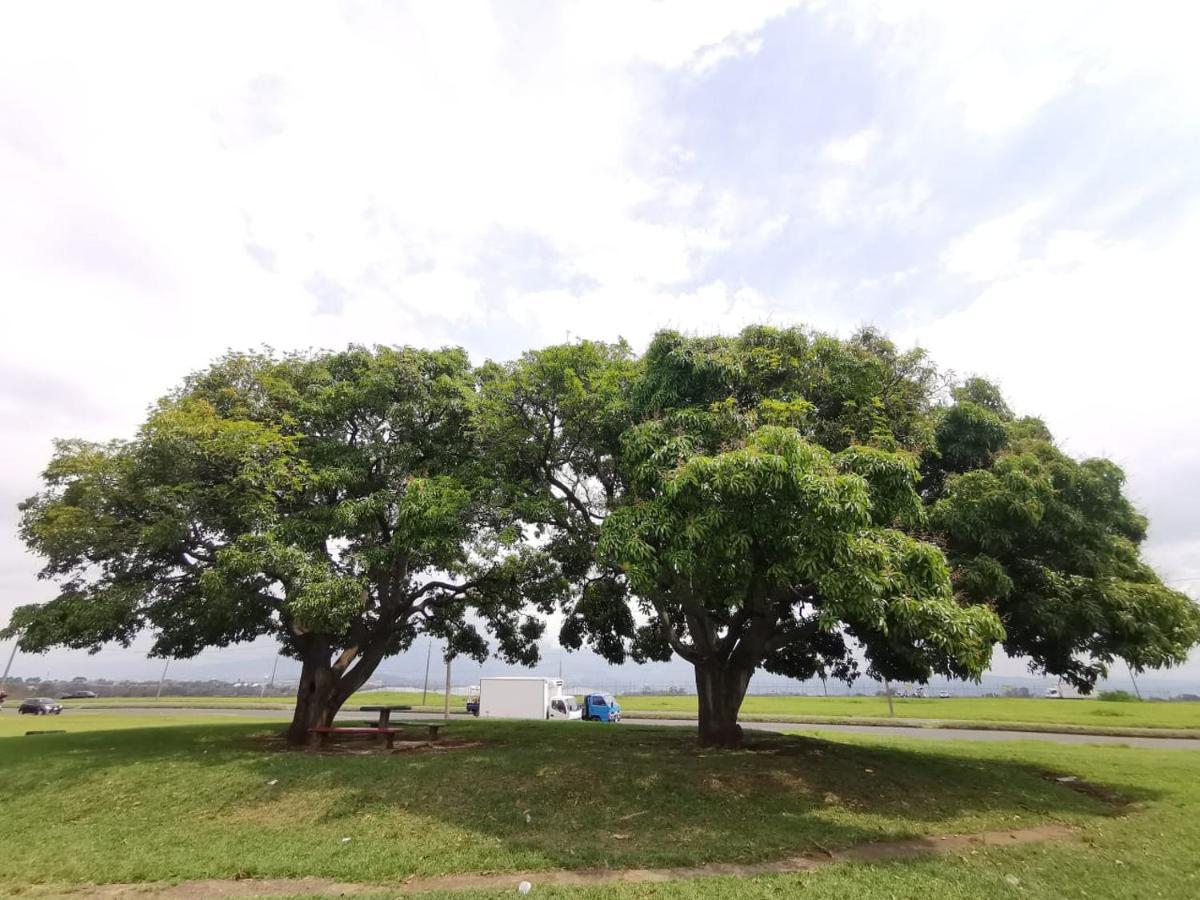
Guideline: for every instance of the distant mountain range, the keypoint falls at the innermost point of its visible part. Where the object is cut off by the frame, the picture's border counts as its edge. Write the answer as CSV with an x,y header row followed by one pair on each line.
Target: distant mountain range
x,y
582,670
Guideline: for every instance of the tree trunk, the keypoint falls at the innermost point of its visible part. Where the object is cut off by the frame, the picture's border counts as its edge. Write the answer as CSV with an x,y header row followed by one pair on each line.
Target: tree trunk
x,y
720,689
317,699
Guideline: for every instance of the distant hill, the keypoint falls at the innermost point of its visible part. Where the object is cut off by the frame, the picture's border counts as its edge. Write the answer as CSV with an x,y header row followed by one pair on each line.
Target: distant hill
x,y
582,671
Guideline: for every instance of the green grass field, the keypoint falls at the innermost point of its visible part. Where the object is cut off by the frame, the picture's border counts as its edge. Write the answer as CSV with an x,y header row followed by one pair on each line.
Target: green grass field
x,y
996,711
123,797
75,721
1094,713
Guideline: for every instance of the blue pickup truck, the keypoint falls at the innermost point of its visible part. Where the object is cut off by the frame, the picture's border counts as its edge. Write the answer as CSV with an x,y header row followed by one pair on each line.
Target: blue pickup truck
x,y
601,708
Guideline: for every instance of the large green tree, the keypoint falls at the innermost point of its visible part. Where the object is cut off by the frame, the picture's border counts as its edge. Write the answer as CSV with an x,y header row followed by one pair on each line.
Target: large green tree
x,y
1051,543
335,501
786,500
780,499
553,422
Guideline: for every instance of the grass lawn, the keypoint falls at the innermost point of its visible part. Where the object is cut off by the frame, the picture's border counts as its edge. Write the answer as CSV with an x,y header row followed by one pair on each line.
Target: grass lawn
x,y
183,800
1095,713
75,721
1082,714
1146,850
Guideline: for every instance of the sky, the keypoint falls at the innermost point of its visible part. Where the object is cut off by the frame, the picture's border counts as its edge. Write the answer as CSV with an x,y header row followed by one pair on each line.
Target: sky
x,y
1012,186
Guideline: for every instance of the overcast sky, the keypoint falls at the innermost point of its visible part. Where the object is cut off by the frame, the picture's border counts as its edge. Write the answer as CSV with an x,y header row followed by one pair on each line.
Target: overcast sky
x,y
1013,186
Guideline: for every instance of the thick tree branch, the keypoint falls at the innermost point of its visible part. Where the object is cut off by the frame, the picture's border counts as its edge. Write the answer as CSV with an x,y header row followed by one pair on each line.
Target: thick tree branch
x,y
734,632
346,658
570,496
456,589
668,630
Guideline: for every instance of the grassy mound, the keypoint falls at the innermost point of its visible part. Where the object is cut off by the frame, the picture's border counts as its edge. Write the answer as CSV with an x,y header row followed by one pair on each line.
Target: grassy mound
x,y
182,801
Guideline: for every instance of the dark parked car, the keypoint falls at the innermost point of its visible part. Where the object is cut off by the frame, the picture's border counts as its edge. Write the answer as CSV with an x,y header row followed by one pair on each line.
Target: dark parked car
x,y
80,695
39,706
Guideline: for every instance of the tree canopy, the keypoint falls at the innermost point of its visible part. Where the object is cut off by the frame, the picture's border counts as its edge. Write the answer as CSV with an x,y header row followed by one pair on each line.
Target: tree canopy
x,y
1052,544
336,501
778,499
787,500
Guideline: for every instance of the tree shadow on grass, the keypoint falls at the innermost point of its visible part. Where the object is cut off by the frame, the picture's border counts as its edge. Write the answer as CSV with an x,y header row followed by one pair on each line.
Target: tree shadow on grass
x,y
527,796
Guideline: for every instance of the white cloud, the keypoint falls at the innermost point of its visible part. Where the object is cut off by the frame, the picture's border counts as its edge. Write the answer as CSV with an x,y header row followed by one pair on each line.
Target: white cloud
x,y
993,248
180,180
1097,336
999,65
634,311
670,33
770,228
446,294
858,200
381,163
852,149
997,94
740,45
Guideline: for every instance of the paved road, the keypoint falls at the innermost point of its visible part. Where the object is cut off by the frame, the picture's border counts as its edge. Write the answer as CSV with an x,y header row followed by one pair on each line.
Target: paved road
x,y
932,734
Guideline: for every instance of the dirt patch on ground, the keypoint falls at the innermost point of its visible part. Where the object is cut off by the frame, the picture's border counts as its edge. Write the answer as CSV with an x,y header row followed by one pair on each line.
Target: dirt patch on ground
x,y
1089,789
359,746
874,852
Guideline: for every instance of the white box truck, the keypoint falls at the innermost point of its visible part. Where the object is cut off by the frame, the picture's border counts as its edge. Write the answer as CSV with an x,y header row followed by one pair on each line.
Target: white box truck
x,y
526,698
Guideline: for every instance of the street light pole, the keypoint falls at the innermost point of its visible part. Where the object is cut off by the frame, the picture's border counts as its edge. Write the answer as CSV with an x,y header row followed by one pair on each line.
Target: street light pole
x,y
446,709
162,678
1136,690
11,657
271,682
428,656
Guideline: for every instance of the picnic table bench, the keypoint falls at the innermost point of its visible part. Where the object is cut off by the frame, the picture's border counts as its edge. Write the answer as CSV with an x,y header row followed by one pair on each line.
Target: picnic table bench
x,y
388,735
433,727
385,713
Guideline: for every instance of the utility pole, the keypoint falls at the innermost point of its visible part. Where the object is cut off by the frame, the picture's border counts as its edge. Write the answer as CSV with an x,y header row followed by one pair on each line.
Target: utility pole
x,y
271,680
1134,680
163,678
11,657
446,710
428,656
